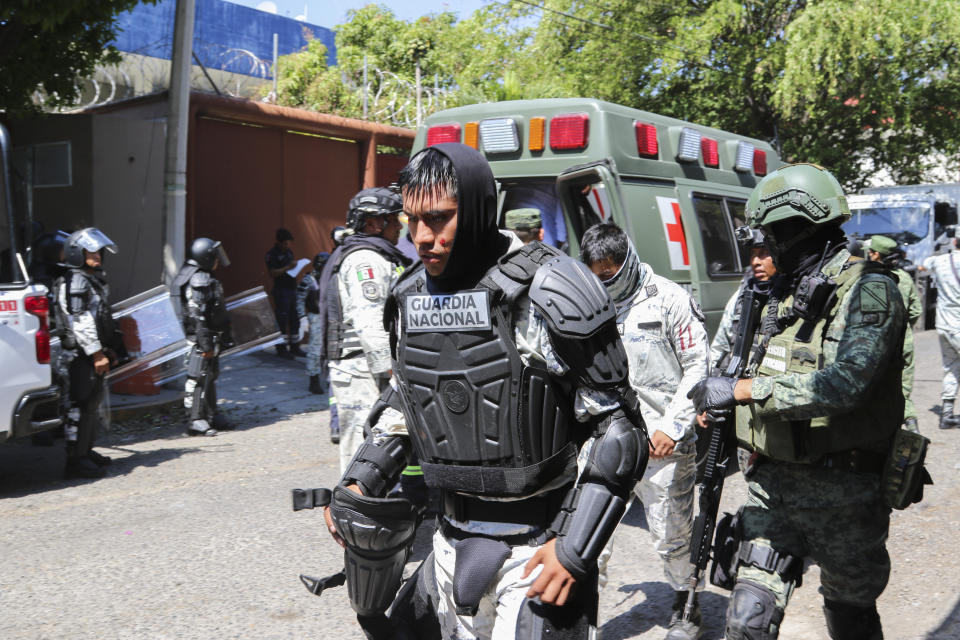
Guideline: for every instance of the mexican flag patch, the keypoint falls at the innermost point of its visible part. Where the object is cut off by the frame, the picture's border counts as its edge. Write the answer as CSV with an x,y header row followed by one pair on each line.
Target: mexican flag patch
x,y
365,272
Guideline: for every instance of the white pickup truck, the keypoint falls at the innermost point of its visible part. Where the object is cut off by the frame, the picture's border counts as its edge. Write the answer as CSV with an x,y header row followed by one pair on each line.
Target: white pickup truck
x,y
29,401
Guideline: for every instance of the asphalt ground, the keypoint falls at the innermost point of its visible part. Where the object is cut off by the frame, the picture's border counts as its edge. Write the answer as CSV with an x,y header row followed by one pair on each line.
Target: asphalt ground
x,y
195,537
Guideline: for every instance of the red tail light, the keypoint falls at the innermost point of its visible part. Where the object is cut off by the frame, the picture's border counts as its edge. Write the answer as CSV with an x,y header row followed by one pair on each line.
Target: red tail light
x,y
443,133
646,139
708,148
760,162
569,131
40,307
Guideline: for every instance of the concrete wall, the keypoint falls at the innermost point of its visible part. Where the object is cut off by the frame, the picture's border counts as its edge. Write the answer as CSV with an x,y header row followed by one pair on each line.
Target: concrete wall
x,y
128,198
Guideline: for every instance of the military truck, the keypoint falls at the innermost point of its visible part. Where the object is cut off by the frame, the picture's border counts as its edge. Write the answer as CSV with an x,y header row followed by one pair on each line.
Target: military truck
x,y
916,216
678,188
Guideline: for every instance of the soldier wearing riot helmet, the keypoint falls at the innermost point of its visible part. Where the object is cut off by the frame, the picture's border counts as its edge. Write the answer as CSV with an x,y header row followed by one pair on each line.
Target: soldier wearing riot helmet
x,y
207,327
824,409
353,288
500,441
90,344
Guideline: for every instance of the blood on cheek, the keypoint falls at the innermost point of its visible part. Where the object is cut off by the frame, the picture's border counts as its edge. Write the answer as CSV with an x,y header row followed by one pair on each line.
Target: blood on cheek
x,y
443,242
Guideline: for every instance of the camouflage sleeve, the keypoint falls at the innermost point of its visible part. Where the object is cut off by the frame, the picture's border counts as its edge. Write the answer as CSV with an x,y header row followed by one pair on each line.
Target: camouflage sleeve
x,y
365,279
723,340
196,310
865,336
75,301
307,284
688,335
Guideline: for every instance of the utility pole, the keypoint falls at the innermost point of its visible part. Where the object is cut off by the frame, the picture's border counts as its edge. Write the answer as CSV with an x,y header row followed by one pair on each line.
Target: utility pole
x,y
178,120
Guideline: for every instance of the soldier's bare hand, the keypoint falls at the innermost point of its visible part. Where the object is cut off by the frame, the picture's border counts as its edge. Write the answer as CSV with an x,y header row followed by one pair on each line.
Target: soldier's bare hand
x,y
554,584
661,445
101,363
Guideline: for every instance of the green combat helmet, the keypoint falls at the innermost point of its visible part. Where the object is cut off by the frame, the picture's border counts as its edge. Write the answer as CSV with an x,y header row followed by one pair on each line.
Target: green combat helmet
x,y
805,194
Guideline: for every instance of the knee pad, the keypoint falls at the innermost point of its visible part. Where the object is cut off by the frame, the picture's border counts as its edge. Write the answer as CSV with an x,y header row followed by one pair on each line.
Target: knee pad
x,y
378,533
753,613
850,622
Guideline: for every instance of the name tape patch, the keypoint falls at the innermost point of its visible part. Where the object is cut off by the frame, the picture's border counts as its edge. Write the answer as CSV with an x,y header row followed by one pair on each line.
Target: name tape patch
x,y
465,311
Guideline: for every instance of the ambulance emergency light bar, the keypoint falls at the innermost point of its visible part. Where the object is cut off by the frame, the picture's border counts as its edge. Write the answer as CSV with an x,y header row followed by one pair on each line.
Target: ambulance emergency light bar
x,y
499,135
571,131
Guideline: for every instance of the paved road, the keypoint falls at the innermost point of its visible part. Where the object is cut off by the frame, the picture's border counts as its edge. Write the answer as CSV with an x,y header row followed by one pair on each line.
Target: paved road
x,y
194,537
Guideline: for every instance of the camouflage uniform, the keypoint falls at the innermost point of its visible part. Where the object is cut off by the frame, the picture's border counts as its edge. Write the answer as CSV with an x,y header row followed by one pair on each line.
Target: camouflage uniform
x,y
308,284
722,342
948,317
666,342
363,281
807,509
911,301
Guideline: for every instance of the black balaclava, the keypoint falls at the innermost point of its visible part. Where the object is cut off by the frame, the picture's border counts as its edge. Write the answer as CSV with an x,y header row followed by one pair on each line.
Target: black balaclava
x,y
478,244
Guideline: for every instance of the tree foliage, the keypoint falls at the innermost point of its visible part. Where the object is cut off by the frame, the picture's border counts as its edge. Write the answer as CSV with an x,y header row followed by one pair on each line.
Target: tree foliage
x,y
50,45
863,87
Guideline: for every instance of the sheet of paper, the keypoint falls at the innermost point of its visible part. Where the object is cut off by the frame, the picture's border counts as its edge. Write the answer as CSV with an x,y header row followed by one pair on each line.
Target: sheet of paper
x,y
294,271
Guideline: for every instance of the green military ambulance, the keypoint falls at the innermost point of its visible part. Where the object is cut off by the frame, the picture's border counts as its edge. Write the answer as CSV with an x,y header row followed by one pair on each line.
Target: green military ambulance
x,y
678,188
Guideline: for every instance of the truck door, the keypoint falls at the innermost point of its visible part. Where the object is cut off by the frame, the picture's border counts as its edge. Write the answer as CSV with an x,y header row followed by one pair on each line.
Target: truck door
x,y
590,194
712,212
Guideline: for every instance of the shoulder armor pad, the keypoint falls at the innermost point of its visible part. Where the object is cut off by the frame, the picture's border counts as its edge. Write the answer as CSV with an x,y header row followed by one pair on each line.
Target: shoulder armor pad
x,y
522,264
77,282
571,298
200,279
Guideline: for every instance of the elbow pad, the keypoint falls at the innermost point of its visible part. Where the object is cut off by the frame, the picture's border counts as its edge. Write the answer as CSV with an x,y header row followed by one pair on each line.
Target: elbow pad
x,y
376,466
594,507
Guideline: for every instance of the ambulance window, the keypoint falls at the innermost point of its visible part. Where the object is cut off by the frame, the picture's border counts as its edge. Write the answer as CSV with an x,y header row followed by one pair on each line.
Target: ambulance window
x,y
739,218
542,196
719,245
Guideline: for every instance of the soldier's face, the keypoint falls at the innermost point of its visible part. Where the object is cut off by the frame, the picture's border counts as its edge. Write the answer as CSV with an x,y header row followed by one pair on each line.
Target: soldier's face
x,y
605,269
92,259
762,264
432,220
392,228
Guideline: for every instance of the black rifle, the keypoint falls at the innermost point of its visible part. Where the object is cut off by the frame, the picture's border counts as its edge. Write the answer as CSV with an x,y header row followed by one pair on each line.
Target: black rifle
x,y
718,456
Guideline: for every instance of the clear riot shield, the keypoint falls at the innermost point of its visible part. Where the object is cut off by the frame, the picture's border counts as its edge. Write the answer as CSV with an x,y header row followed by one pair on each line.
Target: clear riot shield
x,y
253,323
151,331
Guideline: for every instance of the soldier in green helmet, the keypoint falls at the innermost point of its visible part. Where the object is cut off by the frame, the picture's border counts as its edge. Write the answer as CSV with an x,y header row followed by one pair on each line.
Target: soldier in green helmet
x,y
885,249
819,417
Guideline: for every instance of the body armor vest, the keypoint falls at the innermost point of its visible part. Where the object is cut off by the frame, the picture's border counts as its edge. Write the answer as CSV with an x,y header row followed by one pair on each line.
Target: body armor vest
x,y
870,426
97,293
482,421
336,329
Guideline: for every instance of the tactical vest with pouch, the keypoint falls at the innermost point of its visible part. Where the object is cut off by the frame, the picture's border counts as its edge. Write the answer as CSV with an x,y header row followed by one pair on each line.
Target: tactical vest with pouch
x,y
806,346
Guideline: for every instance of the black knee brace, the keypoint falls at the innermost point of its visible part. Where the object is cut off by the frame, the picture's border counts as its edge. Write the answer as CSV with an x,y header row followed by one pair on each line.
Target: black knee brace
x,y
850,622
753,613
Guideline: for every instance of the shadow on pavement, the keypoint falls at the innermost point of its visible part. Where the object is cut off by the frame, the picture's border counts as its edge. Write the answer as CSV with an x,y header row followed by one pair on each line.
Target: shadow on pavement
x,y
26,470
654,611
949,628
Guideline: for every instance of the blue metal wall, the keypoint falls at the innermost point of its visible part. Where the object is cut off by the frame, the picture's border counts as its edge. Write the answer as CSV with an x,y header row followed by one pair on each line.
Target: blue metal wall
x,y
221,31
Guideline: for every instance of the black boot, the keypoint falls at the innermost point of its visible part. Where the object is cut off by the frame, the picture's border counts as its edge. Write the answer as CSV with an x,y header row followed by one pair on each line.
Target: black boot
x,y
850,622
282,350
220,423
99,459
679,628
315,386
947,419
81,467
295,350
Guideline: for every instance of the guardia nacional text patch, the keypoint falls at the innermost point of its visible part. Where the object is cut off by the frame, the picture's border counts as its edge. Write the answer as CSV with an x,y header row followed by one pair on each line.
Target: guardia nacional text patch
x,y
464,311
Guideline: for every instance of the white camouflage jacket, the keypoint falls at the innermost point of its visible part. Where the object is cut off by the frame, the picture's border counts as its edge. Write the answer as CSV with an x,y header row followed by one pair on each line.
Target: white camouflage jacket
x,y
666,341
948,289
364,279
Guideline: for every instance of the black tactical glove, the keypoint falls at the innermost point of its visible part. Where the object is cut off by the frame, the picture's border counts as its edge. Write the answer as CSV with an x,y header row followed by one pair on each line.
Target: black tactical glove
x,y
712,394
